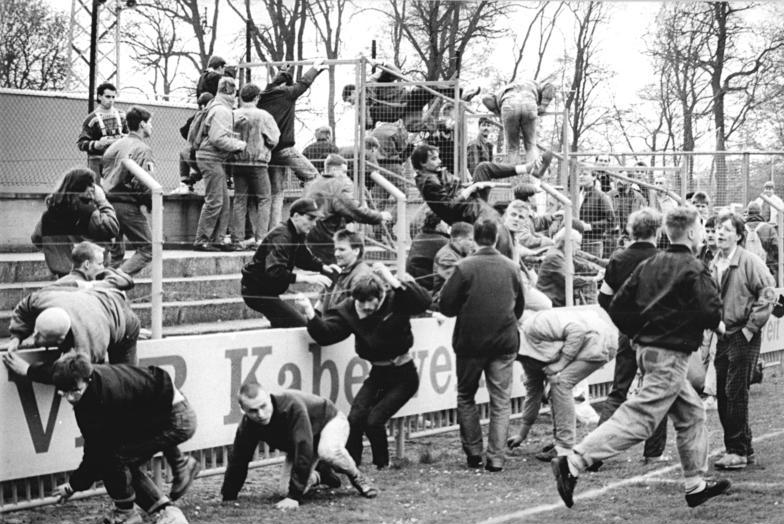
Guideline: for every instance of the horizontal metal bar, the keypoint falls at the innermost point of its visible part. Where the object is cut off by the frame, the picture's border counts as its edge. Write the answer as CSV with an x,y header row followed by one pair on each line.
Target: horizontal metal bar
x,y
424,83
278,63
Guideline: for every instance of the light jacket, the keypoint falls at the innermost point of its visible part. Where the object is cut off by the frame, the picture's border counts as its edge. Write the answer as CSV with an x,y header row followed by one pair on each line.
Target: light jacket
x,y
576,334
220,141
259,131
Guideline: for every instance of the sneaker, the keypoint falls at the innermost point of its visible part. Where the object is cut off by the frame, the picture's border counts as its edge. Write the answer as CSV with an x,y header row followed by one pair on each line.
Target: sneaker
x,y
493,468
205,246
230,247
596,466
751,459
661,459
564,479
364,486
544,164
121,516
182,189
712,488
183,478
171,515
547,456
731,461
474,461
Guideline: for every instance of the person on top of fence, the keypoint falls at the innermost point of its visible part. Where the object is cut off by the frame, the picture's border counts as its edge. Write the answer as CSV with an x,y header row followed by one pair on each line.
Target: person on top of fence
x,y
209,78
441,192
252,193
595,212
334,193
101,127
561,348
746,292
271,271
127,194
770,214
349,248
519,107
126,414
762,238
645,227
625,200
480,149
279,99
378,314
216,143
319,150
75,211
486,296
309,429
667,302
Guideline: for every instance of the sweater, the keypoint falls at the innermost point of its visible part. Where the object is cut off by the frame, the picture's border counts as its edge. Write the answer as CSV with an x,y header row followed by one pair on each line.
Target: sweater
x,y
120,185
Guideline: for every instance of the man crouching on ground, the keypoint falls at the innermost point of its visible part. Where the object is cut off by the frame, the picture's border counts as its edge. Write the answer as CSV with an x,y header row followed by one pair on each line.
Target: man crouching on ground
x,y
309,429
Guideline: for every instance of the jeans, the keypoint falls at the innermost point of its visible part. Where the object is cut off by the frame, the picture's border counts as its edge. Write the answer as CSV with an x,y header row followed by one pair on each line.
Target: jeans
x,y
561,397
134,227
303,170
498,377
493,170
279,313
123,351
214,217
735,360
665,391
251,197
383,393
520,120
625,371
123,476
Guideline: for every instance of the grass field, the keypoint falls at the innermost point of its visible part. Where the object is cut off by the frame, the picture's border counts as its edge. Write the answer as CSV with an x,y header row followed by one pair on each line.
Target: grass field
x,y
433,485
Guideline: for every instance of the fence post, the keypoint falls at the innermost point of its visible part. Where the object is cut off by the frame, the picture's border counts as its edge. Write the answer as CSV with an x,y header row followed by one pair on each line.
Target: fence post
x,y
684,175
744,167
361,105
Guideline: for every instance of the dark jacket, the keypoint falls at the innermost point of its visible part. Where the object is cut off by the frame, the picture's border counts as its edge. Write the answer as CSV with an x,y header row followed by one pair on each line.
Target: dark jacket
x,y
668,301
597,211
208,82
419,263
383,335
486,295
271,270
317,151
551,280
294,428
622,263
279,101
122,403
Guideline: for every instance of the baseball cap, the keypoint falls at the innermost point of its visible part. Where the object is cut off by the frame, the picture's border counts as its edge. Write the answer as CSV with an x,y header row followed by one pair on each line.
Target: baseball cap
x,y
305,206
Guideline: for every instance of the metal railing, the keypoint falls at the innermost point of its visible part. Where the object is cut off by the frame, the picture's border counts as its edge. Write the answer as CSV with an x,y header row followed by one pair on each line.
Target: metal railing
x,y
401,224
156,267
779,235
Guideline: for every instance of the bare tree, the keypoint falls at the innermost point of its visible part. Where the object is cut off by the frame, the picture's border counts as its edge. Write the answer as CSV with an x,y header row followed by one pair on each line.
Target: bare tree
x,y
587,75
439,31
33,54
544,21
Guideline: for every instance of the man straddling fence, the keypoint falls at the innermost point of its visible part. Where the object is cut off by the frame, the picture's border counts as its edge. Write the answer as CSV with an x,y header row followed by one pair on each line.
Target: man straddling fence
x,y
126,414
666,304
271,270
380,320
309,429
101,128
486,296
127,194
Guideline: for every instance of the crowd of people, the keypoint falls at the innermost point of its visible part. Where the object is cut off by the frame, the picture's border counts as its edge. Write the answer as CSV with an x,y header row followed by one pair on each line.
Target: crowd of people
x,y
668,276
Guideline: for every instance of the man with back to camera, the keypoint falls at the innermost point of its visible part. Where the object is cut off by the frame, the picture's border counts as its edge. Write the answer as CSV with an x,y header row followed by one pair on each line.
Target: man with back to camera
x,y
309,429
486,296
101,128
665,304
271,271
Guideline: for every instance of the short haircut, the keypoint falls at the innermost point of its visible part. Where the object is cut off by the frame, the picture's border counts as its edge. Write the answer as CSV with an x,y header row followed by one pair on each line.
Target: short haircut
x,y
679,220
204,99
354,239
700,197
69,369
323,132
249,92
216,61
484,120
135,116
485,231
431,220
710,222
227,85
461,230
559,239
524,191
519,206
367,288
644,223
737,222
348,90
106,86
250,390
372,142
769,184
420,154
333,159
84,251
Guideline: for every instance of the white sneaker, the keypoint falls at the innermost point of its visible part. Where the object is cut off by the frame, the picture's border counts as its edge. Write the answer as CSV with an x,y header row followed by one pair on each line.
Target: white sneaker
x,y
183,189
171,515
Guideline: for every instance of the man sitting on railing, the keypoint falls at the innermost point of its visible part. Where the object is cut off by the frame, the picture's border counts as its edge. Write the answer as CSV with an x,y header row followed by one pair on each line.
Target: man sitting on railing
x,y
334,193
